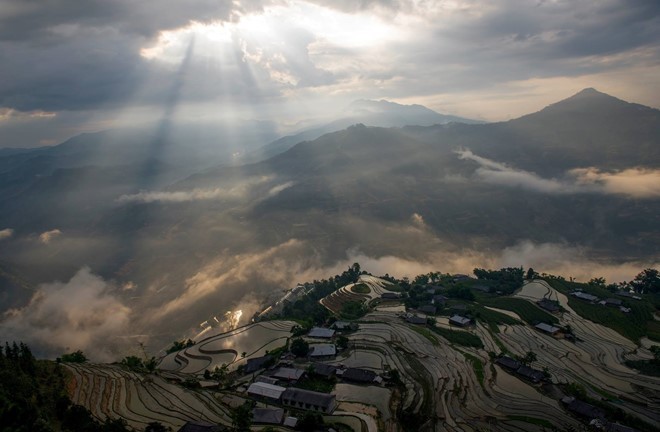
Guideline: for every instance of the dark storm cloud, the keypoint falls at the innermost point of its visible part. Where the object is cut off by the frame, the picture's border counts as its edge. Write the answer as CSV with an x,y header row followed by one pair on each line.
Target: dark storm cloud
x,y
61,55
40,19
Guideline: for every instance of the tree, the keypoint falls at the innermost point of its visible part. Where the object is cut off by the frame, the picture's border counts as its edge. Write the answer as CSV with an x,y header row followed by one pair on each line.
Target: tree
x,y
529,358
241,417
310,421
299,347
648,281
74,357
156,427
531,274
132,362
342,342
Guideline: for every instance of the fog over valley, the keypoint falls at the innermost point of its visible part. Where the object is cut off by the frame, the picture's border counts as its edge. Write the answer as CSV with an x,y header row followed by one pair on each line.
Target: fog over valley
x,y
190,188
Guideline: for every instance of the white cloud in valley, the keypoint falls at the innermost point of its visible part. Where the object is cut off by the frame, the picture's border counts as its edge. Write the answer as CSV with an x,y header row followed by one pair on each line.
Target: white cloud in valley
x,y
82,313
633,182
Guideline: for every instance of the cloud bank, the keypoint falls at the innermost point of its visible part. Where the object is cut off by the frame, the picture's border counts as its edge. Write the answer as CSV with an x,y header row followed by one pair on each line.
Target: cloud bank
x,y
633,182
81,314
6,233
48,236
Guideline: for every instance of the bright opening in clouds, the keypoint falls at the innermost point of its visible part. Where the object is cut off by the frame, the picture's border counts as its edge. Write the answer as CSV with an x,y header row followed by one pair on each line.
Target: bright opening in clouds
x,y
288,61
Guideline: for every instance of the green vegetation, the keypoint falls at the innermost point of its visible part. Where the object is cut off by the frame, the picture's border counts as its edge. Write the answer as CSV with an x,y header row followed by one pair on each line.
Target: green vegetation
x,y
612,412
529,312
74,357
532,420
492,318
459,337
179,345
318,384
353,310
299,347
33,396
361,289
477,365
137,365
426,333
647,281
506,280
634,325
241,417
648,367
307,309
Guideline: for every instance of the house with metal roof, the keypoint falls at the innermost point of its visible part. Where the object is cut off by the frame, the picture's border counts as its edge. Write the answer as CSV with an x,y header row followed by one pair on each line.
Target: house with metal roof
x,y
428,309
582,408
321,333
363,376
309,400
323,370
267,415
414,319
194,426
547,329
531,374
288,374
265,391
508,363
344,325
390,296
460,321
584,296
254,364
549,305
322,351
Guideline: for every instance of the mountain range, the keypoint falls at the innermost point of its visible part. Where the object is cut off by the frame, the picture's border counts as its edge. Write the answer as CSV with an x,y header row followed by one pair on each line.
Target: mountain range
x,y
384,180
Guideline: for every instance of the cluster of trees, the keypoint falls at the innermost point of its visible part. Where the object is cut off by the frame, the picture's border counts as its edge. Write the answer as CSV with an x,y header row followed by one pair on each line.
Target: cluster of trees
x,y
33,396
506,280
179,345
307,310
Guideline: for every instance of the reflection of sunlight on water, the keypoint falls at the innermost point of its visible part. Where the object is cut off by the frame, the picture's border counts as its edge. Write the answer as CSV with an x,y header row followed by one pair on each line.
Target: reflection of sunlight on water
x,y
232,318
229,321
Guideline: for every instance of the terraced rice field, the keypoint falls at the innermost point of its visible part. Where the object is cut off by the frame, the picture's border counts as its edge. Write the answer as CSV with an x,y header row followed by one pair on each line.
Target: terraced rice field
x,y
335,301
440,381
228,348
109,391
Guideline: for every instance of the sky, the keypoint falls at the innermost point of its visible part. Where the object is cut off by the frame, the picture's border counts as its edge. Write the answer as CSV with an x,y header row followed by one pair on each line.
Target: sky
x,y
69,67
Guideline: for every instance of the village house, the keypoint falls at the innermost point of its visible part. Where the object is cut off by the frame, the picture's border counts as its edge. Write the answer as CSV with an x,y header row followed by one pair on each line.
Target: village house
x,y
288,374
460,321
582,409
428,309
548,329
508,363
584,296
439,300
345,326
390,296
267,415
254,364
265,391
362,376
323,370
549,305
321,333
194,426
309,400
531,374
414,319
612,302
322,351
